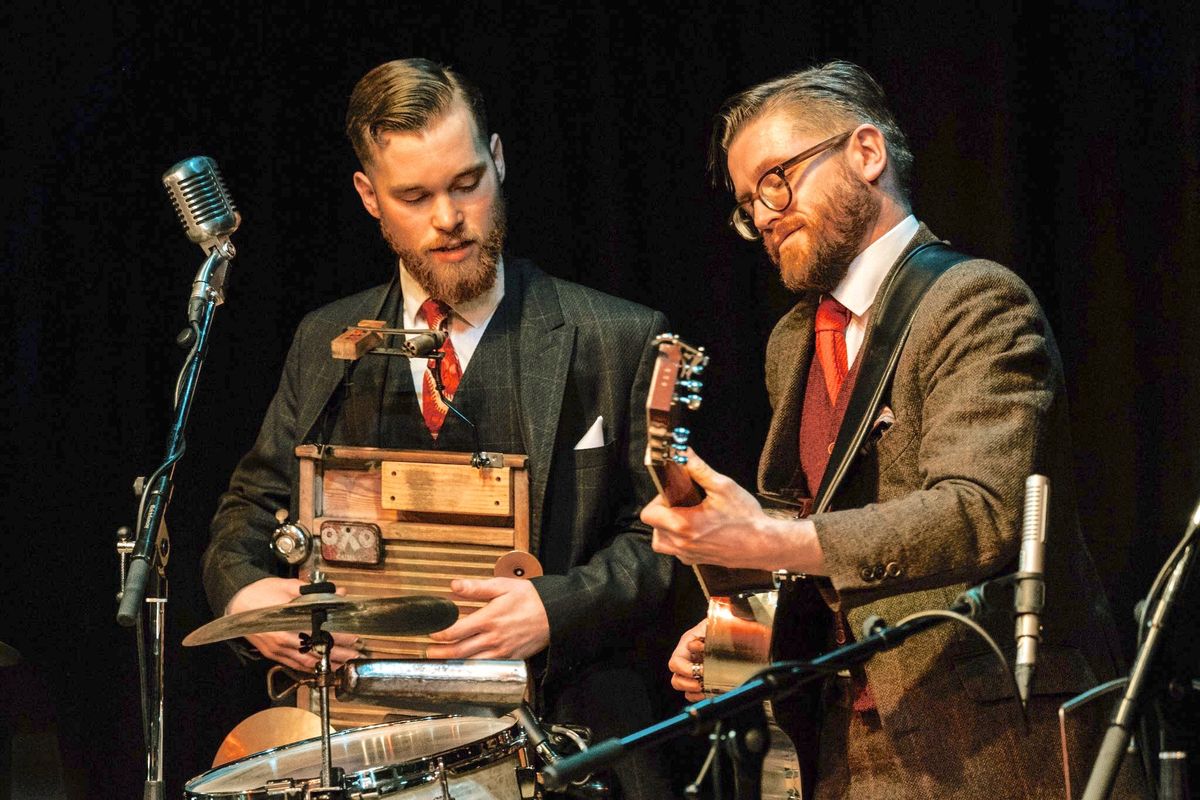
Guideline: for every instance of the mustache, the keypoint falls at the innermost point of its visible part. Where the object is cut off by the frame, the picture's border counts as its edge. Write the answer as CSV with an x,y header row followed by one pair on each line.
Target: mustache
x,y
443,243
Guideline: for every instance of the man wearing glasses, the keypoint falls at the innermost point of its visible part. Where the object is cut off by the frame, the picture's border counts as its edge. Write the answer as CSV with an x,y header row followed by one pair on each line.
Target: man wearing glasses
x,y
928,501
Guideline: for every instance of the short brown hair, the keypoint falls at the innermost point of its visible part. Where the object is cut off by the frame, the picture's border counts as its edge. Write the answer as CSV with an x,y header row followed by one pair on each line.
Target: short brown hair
x,y
827,96
407,95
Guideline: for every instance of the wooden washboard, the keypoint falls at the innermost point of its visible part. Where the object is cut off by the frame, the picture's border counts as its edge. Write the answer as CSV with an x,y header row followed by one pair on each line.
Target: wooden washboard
x,y
440,519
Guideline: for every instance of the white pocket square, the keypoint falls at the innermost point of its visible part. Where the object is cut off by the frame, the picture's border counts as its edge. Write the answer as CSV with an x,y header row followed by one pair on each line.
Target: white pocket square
x,y
594,436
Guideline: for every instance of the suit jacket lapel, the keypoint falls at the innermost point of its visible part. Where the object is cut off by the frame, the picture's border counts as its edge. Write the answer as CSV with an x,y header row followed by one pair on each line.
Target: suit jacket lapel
x,y
793,337
545,348
321,385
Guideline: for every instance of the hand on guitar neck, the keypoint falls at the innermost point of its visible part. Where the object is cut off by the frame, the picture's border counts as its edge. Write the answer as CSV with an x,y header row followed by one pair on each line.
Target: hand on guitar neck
x,y
729,528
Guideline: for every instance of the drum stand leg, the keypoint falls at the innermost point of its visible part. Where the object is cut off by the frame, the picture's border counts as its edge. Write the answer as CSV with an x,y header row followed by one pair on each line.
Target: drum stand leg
x,y
332,786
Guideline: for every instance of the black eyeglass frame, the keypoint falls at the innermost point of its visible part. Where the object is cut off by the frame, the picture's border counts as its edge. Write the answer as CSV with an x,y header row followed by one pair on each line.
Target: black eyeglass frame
x,y
743,212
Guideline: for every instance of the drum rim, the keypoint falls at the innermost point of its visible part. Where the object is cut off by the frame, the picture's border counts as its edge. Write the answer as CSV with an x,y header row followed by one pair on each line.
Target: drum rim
x,y
392,777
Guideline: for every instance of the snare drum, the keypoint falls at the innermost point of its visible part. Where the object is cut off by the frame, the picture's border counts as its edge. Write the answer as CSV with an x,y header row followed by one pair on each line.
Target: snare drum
x,y
467,758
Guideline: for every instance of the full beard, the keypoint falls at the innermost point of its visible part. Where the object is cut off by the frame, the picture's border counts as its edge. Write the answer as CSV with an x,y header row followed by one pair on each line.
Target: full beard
x,y
849,212
466,280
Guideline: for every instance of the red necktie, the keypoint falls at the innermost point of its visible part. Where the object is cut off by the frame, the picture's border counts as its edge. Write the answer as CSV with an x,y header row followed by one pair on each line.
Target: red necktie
x,y
437,316
832,318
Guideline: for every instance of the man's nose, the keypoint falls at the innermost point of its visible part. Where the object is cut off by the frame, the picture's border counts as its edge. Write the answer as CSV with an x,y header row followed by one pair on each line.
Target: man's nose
x,y
446,214
764,217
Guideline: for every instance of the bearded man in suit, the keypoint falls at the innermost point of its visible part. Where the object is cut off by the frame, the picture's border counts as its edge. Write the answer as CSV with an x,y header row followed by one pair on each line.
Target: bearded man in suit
x,y
926,500
548,368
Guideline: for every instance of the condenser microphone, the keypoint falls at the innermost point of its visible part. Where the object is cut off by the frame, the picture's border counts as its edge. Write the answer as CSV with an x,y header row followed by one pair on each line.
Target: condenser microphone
x,y
201,201
423,344
1030,594
208,216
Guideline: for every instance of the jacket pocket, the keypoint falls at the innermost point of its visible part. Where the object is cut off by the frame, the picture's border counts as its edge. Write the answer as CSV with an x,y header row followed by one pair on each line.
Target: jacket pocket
x,y
1061,669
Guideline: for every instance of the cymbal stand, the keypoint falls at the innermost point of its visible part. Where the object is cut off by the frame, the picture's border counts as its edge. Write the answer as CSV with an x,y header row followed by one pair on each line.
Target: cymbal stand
x,y
321,643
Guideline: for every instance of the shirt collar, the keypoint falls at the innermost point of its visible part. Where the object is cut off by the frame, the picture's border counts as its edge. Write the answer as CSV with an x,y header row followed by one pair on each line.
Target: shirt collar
x,y
868,269
475,312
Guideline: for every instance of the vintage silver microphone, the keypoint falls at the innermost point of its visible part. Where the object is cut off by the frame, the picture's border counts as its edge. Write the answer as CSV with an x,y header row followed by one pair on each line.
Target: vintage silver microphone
x,y
209,216
201,201
1030,595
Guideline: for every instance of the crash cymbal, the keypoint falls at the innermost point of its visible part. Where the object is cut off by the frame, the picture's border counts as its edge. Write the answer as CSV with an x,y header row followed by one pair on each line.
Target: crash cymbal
x,y
366,616
266,730
8,655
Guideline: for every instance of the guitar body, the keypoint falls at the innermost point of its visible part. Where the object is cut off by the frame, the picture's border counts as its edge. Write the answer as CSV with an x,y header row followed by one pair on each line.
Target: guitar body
x,y
741,602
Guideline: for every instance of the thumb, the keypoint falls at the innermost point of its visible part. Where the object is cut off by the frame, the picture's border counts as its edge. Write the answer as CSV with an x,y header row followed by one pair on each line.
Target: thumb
x,y
708,478
487,589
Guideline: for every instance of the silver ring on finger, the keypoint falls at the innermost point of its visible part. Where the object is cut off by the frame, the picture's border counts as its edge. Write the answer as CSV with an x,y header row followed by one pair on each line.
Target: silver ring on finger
x,y
698,672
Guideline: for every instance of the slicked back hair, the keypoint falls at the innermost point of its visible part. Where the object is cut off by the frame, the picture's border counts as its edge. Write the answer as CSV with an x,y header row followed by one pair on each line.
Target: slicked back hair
x,y
407,95
830,97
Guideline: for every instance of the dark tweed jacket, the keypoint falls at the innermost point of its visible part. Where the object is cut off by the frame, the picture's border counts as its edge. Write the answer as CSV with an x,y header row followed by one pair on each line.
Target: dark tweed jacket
x,y
931,505
582,354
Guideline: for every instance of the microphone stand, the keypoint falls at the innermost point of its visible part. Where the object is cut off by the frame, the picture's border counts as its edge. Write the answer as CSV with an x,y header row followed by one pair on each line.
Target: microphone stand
x,y
1159,604
148,552
746,738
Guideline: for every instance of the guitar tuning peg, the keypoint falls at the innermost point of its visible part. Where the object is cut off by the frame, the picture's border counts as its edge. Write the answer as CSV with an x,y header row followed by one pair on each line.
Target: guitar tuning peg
x,y
679,459
693,401
681,435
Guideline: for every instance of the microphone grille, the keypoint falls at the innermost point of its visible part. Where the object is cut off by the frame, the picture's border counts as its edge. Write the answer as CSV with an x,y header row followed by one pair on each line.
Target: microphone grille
x,y
202,203
1037,495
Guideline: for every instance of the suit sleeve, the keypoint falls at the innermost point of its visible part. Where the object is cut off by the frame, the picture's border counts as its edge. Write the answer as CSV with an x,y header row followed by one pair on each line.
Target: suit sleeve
x,y
605,601
239,551
974,393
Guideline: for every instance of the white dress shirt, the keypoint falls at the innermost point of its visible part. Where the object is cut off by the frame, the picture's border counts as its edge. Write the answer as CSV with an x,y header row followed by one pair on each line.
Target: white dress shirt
x,y
864,277
468,320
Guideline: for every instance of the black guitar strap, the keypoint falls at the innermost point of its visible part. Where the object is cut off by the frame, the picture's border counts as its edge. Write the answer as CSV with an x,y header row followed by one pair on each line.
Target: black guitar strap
x,y
804,622
898,300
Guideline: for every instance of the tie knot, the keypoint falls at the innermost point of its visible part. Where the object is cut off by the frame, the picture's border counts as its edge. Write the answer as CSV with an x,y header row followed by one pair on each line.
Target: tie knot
x,y
436,313
832,316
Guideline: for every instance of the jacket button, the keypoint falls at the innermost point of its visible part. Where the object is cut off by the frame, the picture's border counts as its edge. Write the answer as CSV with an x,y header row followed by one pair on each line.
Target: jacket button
x,y
892,570
866,574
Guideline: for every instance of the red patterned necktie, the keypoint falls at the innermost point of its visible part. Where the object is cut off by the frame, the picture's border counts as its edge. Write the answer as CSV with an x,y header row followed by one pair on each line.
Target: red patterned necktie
x,y
437,316
832,318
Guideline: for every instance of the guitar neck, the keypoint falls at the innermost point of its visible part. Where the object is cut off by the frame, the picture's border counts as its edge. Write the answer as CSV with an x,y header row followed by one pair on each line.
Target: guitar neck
x,y
680,491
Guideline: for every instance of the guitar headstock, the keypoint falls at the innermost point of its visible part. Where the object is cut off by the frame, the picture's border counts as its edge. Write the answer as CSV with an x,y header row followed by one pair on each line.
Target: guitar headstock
x,y
674,390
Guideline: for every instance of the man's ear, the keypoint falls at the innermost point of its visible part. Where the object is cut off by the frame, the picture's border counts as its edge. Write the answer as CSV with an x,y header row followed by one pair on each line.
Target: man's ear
x,y
498,155
870,152
366,192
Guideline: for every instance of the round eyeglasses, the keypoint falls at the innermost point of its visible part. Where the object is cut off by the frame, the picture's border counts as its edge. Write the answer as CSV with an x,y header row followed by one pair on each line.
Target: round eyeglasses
x,y
774,190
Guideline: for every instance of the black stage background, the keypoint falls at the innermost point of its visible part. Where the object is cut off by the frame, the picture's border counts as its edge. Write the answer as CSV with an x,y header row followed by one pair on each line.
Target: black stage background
x,y
1061,141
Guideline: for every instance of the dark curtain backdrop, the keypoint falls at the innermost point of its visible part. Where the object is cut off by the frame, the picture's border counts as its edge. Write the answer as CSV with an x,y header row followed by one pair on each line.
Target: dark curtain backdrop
x,y
1060,140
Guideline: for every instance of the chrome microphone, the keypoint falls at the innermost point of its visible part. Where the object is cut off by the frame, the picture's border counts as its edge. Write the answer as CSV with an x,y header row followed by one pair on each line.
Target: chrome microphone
x,y
1030,595
202,202
208,216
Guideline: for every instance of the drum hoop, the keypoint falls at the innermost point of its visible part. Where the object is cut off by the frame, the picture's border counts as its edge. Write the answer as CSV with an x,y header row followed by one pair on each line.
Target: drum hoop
x,y
456,761
393,777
